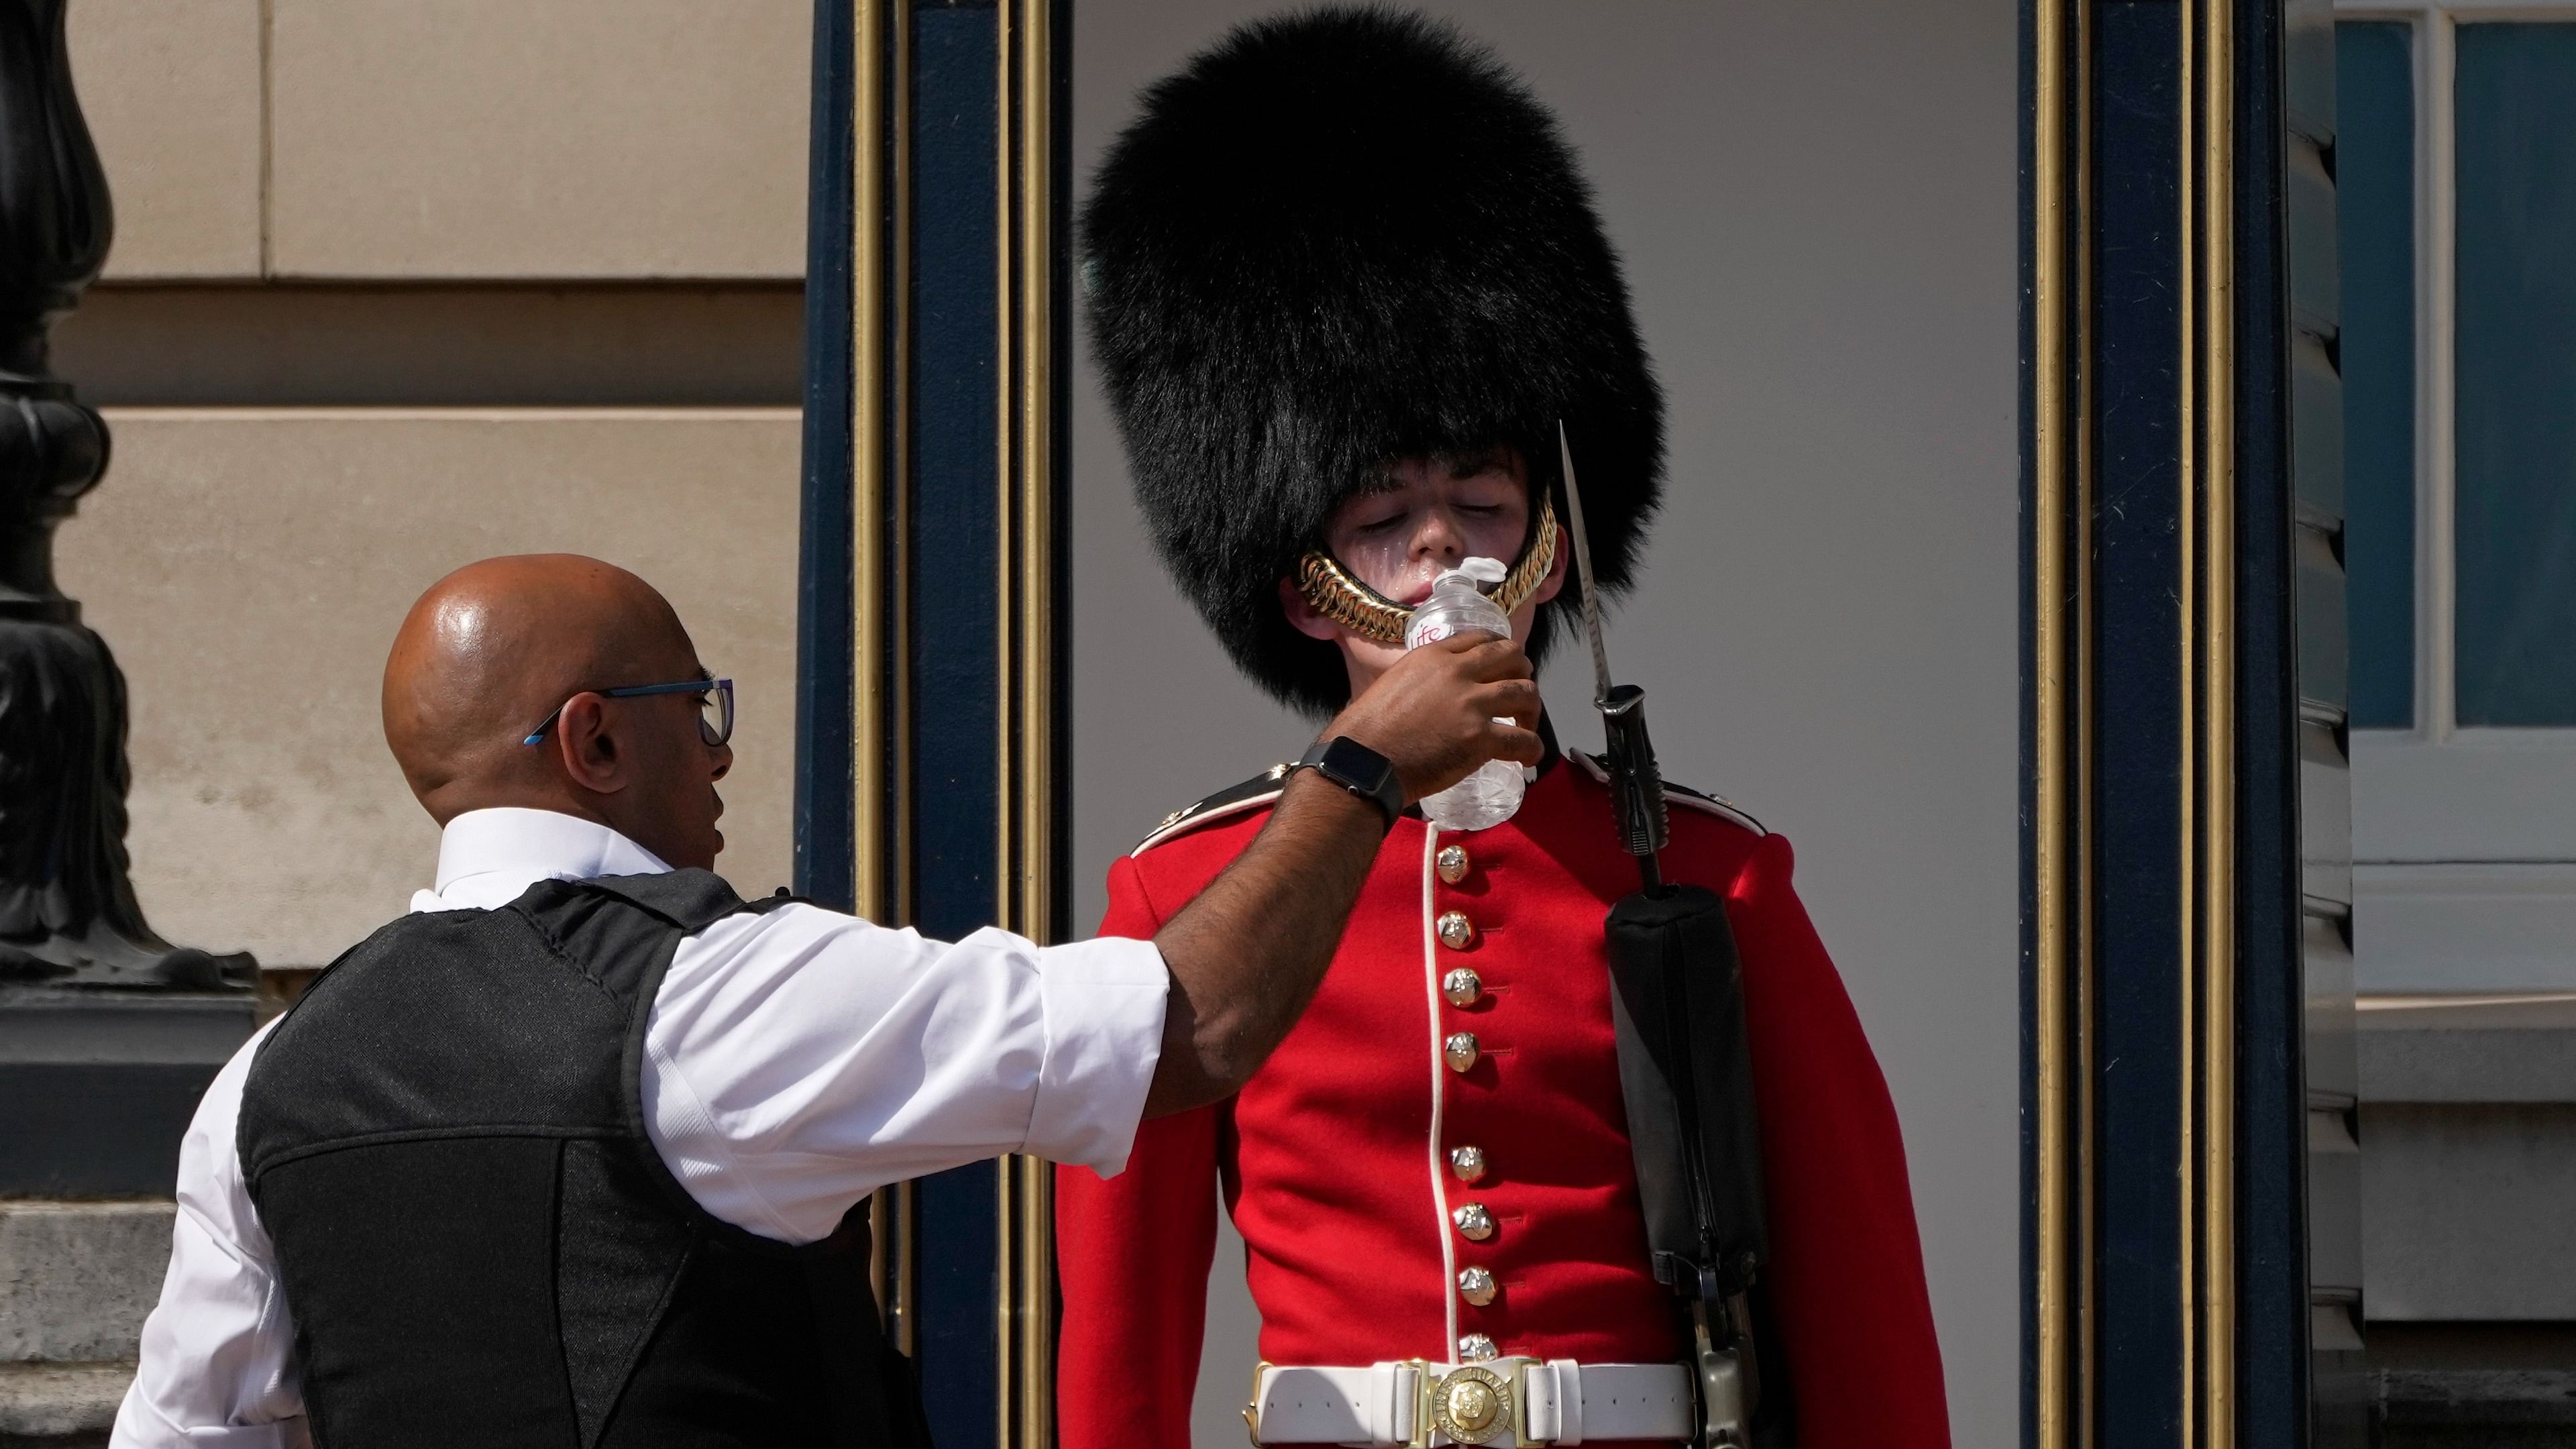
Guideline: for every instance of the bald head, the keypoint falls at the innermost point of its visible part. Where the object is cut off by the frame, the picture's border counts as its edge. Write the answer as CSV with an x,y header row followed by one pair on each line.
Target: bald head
x,y
493,648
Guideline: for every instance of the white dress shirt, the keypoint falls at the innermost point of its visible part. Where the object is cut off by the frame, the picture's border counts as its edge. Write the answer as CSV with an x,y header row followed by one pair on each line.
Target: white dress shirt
x,y
795,1061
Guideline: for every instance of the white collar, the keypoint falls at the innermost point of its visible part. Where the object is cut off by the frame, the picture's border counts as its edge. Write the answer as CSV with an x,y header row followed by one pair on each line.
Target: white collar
x,y
489,858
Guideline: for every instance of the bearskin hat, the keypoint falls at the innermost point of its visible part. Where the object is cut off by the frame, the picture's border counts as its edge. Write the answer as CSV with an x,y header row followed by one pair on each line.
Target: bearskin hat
x,y
1333,240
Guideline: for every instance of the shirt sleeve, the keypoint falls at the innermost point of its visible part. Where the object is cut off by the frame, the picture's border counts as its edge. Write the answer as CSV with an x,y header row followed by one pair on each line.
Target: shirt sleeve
x,y
216,1366
799,1059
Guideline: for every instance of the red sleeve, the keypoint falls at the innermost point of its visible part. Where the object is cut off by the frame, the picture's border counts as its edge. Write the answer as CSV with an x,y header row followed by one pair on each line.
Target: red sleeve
x,y
1132,1255
1847,1264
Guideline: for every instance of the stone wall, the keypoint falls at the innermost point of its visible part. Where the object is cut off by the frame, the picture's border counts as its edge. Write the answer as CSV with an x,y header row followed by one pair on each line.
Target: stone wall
x,y
76,1279
398,284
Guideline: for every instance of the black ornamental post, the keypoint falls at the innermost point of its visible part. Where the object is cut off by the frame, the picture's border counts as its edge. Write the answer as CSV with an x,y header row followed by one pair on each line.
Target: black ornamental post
x,y
68,917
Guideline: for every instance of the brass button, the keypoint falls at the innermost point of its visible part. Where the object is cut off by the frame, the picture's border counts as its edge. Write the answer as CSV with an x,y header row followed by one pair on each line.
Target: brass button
x,y
1455,930
1468,1162
1459,1051
1451,862
1476,1348
1474,1223
1476,1285
1461,986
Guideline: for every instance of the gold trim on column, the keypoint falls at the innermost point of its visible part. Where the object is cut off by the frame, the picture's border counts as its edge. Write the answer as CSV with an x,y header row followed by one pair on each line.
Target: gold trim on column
x,y
894,1260
1026,578
1025,1405
1026,448
899,872
2208,1167
2088,955
880,725
2049,646
2062,729
870,355
2187,589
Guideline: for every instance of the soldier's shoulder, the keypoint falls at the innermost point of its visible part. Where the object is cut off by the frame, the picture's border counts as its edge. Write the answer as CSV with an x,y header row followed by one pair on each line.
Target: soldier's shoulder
x,y
1683,796
1235,801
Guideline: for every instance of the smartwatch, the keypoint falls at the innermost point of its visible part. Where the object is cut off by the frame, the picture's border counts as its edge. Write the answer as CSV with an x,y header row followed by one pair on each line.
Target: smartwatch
x,y
1356,768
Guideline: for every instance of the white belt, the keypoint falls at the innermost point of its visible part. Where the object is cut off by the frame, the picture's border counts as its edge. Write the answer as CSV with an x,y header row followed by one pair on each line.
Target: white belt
x,y
1508,1401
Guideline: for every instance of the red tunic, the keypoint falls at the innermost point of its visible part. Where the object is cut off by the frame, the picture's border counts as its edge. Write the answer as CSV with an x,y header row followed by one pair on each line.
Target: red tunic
x,y
1335,1165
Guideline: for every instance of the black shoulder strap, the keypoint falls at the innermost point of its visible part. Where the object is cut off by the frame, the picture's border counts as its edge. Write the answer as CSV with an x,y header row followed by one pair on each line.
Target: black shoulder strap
x,y
619,929
689,899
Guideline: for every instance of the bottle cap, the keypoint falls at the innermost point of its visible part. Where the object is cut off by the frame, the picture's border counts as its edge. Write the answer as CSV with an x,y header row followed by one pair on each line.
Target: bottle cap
x,y
1475,570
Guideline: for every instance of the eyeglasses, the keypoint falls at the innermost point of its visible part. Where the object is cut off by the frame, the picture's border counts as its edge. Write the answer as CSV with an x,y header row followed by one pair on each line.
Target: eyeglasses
x,y
715,706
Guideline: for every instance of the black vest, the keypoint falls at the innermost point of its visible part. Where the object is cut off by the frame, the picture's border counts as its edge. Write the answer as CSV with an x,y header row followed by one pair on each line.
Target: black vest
x,y
478,1244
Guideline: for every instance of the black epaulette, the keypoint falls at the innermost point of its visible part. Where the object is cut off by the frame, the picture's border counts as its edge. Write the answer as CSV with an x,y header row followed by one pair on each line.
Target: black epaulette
x,y
1251,794
1683,795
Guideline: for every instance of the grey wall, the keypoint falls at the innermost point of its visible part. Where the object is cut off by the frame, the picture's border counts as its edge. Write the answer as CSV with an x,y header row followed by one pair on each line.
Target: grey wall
x,y
1816,207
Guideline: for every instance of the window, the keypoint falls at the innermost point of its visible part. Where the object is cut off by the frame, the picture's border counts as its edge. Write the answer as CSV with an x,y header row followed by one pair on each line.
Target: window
x,y
2375,219
2455,162
2514,510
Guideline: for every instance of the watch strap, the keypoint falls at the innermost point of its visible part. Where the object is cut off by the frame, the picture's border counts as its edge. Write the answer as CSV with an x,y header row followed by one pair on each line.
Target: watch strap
x,y
1362,771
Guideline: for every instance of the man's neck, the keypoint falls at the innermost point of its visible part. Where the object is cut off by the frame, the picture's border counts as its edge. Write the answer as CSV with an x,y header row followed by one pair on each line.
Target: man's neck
x,y
446,804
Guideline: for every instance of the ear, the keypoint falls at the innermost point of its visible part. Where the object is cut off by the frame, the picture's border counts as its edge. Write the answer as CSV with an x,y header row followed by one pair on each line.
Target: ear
x,y
1304,617
592,755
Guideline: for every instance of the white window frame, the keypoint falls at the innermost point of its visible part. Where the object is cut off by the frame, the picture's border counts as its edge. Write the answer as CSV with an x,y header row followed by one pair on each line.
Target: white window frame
x,y
2463,839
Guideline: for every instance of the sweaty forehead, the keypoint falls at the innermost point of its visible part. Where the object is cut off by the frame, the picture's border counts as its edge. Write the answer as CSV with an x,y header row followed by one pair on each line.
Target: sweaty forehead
x,y
1497,463
1478,462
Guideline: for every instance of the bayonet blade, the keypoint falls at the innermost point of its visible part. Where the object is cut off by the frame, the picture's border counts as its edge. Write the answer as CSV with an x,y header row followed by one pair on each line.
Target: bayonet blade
x,y
1583,568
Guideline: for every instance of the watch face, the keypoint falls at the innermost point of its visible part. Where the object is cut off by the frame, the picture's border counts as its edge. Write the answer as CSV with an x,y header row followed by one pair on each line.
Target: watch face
x,y
1348,760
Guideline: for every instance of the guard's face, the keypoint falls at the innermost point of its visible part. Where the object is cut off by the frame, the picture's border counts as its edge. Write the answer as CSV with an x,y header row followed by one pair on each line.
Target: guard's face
x,y
1435,515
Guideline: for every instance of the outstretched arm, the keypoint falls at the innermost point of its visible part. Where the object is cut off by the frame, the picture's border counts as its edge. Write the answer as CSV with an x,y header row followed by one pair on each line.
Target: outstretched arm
x,y
1247,955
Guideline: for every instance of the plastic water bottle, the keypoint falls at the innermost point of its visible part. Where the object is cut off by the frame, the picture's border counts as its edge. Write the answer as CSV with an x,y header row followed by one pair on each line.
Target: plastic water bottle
x,y
1492,794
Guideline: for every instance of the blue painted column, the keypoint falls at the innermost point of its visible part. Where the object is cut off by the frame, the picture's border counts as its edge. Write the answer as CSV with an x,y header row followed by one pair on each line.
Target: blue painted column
x,y
930,788
2183,667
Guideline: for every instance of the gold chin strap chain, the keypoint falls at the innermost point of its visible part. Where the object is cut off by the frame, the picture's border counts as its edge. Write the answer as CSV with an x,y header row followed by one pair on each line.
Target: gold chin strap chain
x,y
1364,611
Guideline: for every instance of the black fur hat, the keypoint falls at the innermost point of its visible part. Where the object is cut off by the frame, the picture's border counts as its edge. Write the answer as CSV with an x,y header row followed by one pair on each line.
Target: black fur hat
x,y
1336,239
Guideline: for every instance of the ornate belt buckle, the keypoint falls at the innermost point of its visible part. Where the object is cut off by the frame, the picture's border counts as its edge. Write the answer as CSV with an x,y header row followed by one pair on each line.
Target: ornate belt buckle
x,y
1473,1403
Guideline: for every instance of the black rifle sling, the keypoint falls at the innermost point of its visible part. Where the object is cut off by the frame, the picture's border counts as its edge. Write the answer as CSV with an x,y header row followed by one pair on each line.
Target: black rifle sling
x,y
1686,1074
